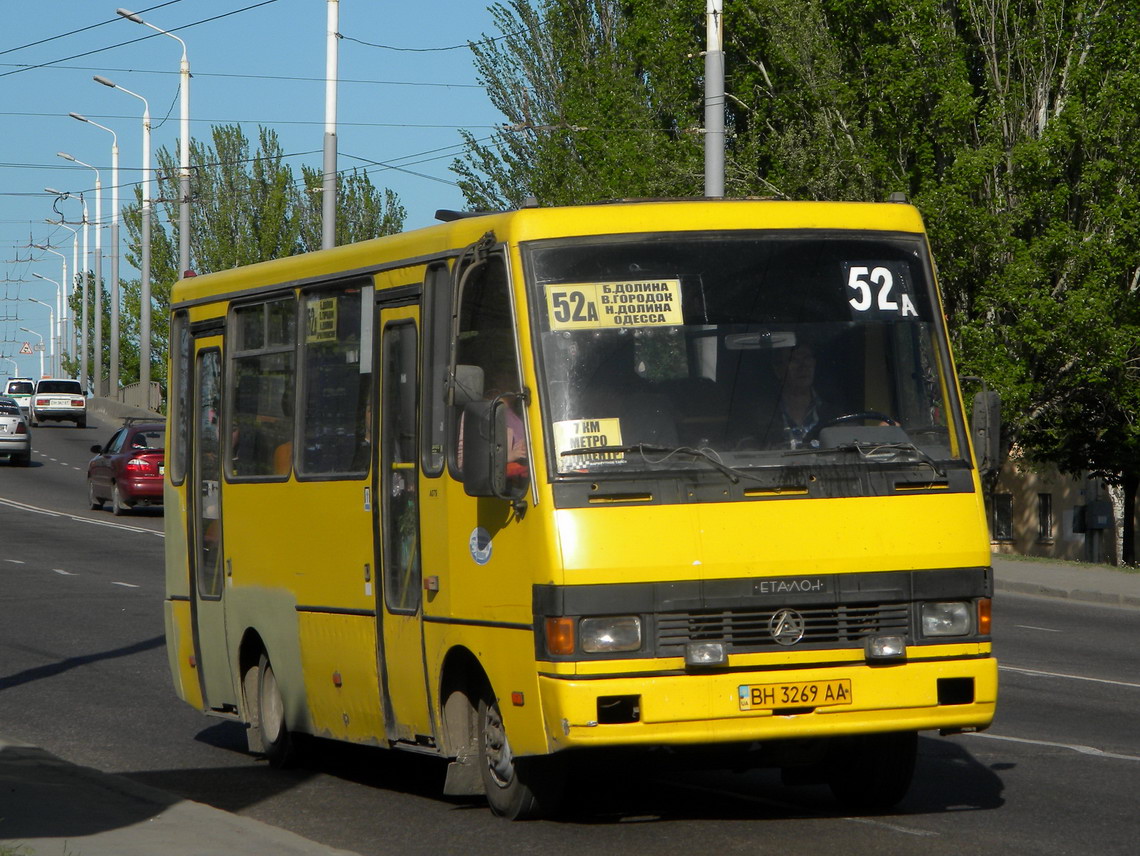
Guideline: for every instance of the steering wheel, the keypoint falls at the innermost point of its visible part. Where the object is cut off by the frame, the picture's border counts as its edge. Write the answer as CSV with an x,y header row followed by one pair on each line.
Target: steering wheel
x,y
857,416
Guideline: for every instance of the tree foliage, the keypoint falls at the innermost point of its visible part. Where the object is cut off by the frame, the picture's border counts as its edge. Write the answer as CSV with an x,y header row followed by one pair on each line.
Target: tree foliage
x,y
1010,123
248,206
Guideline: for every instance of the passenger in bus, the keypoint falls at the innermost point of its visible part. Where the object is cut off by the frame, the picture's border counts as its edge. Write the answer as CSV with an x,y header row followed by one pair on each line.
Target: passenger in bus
x,y
283,454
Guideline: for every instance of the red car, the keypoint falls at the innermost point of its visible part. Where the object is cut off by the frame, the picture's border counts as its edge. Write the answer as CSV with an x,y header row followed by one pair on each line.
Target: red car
x,y
128,471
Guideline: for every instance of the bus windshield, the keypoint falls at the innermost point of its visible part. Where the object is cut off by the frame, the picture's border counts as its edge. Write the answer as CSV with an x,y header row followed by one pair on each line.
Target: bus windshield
x,y
743,349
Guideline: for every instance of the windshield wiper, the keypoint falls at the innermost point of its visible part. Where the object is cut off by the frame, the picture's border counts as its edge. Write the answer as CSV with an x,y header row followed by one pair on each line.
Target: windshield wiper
x,y
872,451
733,474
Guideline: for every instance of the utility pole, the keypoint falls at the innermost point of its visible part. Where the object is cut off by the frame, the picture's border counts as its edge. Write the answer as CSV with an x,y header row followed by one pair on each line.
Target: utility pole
x,y
328,178
714,98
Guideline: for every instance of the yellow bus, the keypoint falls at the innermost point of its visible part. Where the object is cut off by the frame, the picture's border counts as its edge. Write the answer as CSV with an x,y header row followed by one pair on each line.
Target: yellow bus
x,y
522,487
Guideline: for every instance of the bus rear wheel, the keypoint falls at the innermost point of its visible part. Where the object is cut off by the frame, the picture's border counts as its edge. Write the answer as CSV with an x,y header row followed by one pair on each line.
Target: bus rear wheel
x,y
872,772
517,789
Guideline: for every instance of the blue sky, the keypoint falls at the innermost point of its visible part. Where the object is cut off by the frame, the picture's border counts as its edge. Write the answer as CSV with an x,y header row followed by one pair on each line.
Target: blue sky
x,y
262,65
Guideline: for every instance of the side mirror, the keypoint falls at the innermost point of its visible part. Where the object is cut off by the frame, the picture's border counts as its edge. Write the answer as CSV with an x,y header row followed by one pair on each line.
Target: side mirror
x,y
986,429
486,447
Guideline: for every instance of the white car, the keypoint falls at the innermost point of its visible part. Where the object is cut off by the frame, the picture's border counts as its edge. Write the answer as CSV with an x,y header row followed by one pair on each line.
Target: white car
x,y
21,389
15,439
59,400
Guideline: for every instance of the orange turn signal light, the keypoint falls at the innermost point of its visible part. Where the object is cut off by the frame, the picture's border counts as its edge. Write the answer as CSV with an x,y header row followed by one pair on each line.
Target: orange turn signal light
x,y
560,635
985,616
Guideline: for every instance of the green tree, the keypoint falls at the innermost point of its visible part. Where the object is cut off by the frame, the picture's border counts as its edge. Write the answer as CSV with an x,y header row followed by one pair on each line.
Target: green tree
x,y
1011,125
248,206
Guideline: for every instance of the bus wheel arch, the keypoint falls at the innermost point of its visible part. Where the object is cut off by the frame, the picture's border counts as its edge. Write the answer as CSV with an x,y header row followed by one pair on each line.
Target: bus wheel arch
x,y
462,681
263,706
475,735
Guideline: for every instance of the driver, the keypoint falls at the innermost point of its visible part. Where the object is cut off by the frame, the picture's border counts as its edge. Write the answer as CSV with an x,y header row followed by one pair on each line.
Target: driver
x,y
786,421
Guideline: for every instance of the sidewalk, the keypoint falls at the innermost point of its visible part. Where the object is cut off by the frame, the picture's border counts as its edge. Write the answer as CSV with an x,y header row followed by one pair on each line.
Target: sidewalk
x,y
51,808
48,806
1071,580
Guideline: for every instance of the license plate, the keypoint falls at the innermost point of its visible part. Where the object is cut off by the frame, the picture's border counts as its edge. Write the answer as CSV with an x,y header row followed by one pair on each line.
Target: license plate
x,y
806,694
162,469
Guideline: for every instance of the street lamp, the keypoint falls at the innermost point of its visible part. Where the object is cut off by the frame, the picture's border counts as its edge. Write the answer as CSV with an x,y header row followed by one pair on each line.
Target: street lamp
x,y
34,333
97,350
144,261
60,299
56,369
114,257
184,146
82,277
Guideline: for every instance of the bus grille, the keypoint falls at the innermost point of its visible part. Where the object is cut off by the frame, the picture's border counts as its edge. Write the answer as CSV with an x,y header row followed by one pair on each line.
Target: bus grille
x,y
748,630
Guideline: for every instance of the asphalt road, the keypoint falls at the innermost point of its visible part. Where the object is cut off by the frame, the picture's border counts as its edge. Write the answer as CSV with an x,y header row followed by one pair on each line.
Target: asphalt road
x,y
83,674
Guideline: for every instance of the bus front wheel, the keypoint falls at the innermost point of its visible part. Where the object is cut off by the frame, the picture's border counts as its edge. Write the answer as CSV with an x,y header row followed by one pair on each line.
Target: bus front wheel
x,y
517,789
276,744
872,772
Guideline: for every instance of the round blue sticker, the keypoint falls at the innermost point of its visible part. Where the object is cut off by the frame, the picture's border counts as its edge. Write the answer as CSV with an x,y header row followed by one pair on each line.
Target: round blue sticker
x,y
480,545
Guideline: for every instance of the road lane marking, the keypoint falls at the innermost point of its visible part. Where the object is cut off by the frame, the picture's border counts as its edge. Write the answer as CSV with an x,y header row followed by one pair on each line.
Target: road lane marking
x,y
23,506
64,573
15,561
124,585
1037,673
1042,629
1074,747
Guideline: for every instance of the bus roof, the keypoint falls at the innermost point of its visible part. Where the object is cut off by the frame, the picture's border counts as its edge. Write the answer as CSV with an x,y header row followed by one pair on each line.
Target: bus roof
x,y
525,224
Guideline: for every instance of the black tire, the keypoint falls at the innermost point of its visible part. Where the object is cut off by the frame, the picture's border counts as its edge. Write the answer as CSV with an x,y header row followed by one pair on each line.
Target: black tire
x,y
82,423
95,502
516,788
24,460
276,743
872,772
118,507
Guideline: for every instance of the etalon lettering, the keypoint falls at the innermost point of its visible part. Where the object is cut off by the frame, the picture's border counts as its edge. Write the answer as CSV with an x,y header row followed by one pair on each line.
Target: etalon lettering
x,y
782,586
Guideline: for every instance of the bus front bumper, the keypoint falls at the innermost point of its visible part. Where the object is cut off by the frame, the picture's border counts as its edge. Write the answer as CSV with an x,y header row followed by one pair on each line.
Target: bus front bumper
x,y
688,709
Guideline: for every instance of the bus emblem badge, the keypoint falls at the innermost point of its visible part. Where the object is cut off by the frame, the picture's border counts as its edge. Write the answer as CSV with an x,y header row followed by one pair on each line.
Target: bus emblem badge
x,y
480,545
786,627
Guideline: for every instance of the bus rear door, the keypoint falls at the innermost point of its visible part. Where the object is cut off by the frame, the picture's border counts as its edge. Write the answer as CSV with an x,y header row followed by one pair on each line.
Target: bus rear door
x,y
207,566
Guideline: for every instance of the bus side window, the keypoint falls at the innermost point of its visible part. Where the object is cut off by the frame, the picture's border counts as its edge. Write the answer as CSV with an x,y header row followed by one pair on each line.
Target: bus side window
x,y
335,409
261,390
486,340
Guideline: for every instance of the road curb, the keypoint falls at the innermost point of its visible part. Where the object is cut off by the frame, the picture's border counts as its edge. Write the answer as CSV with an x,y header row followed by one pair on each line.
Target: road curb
x,y
1081,595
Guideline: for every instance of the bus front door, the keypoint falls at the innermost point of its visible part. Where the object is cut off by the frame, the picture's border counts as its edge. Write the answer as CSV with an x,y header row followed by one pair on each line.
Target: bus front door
x,y
207,569
400,610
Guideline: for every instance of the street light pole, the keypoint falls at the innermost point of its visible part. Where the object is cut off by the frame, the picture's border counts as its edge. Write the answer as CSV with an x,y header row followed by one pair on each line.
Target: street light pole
x,y
56,371
82,285
184,147
97,350
144,259
114,257
34,333
67,331
60,287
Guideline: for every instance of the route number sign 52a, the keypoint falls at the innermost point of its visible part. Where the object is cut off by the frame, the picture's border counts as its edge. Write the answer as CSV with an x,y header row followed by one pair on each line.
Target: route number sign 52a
x,y
880,289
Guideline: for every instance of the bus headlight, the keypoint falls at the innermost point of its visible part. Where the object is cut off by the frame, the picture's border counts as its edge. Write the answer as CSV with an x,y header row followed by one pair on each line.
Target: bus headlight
x,y
612,633
945,619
